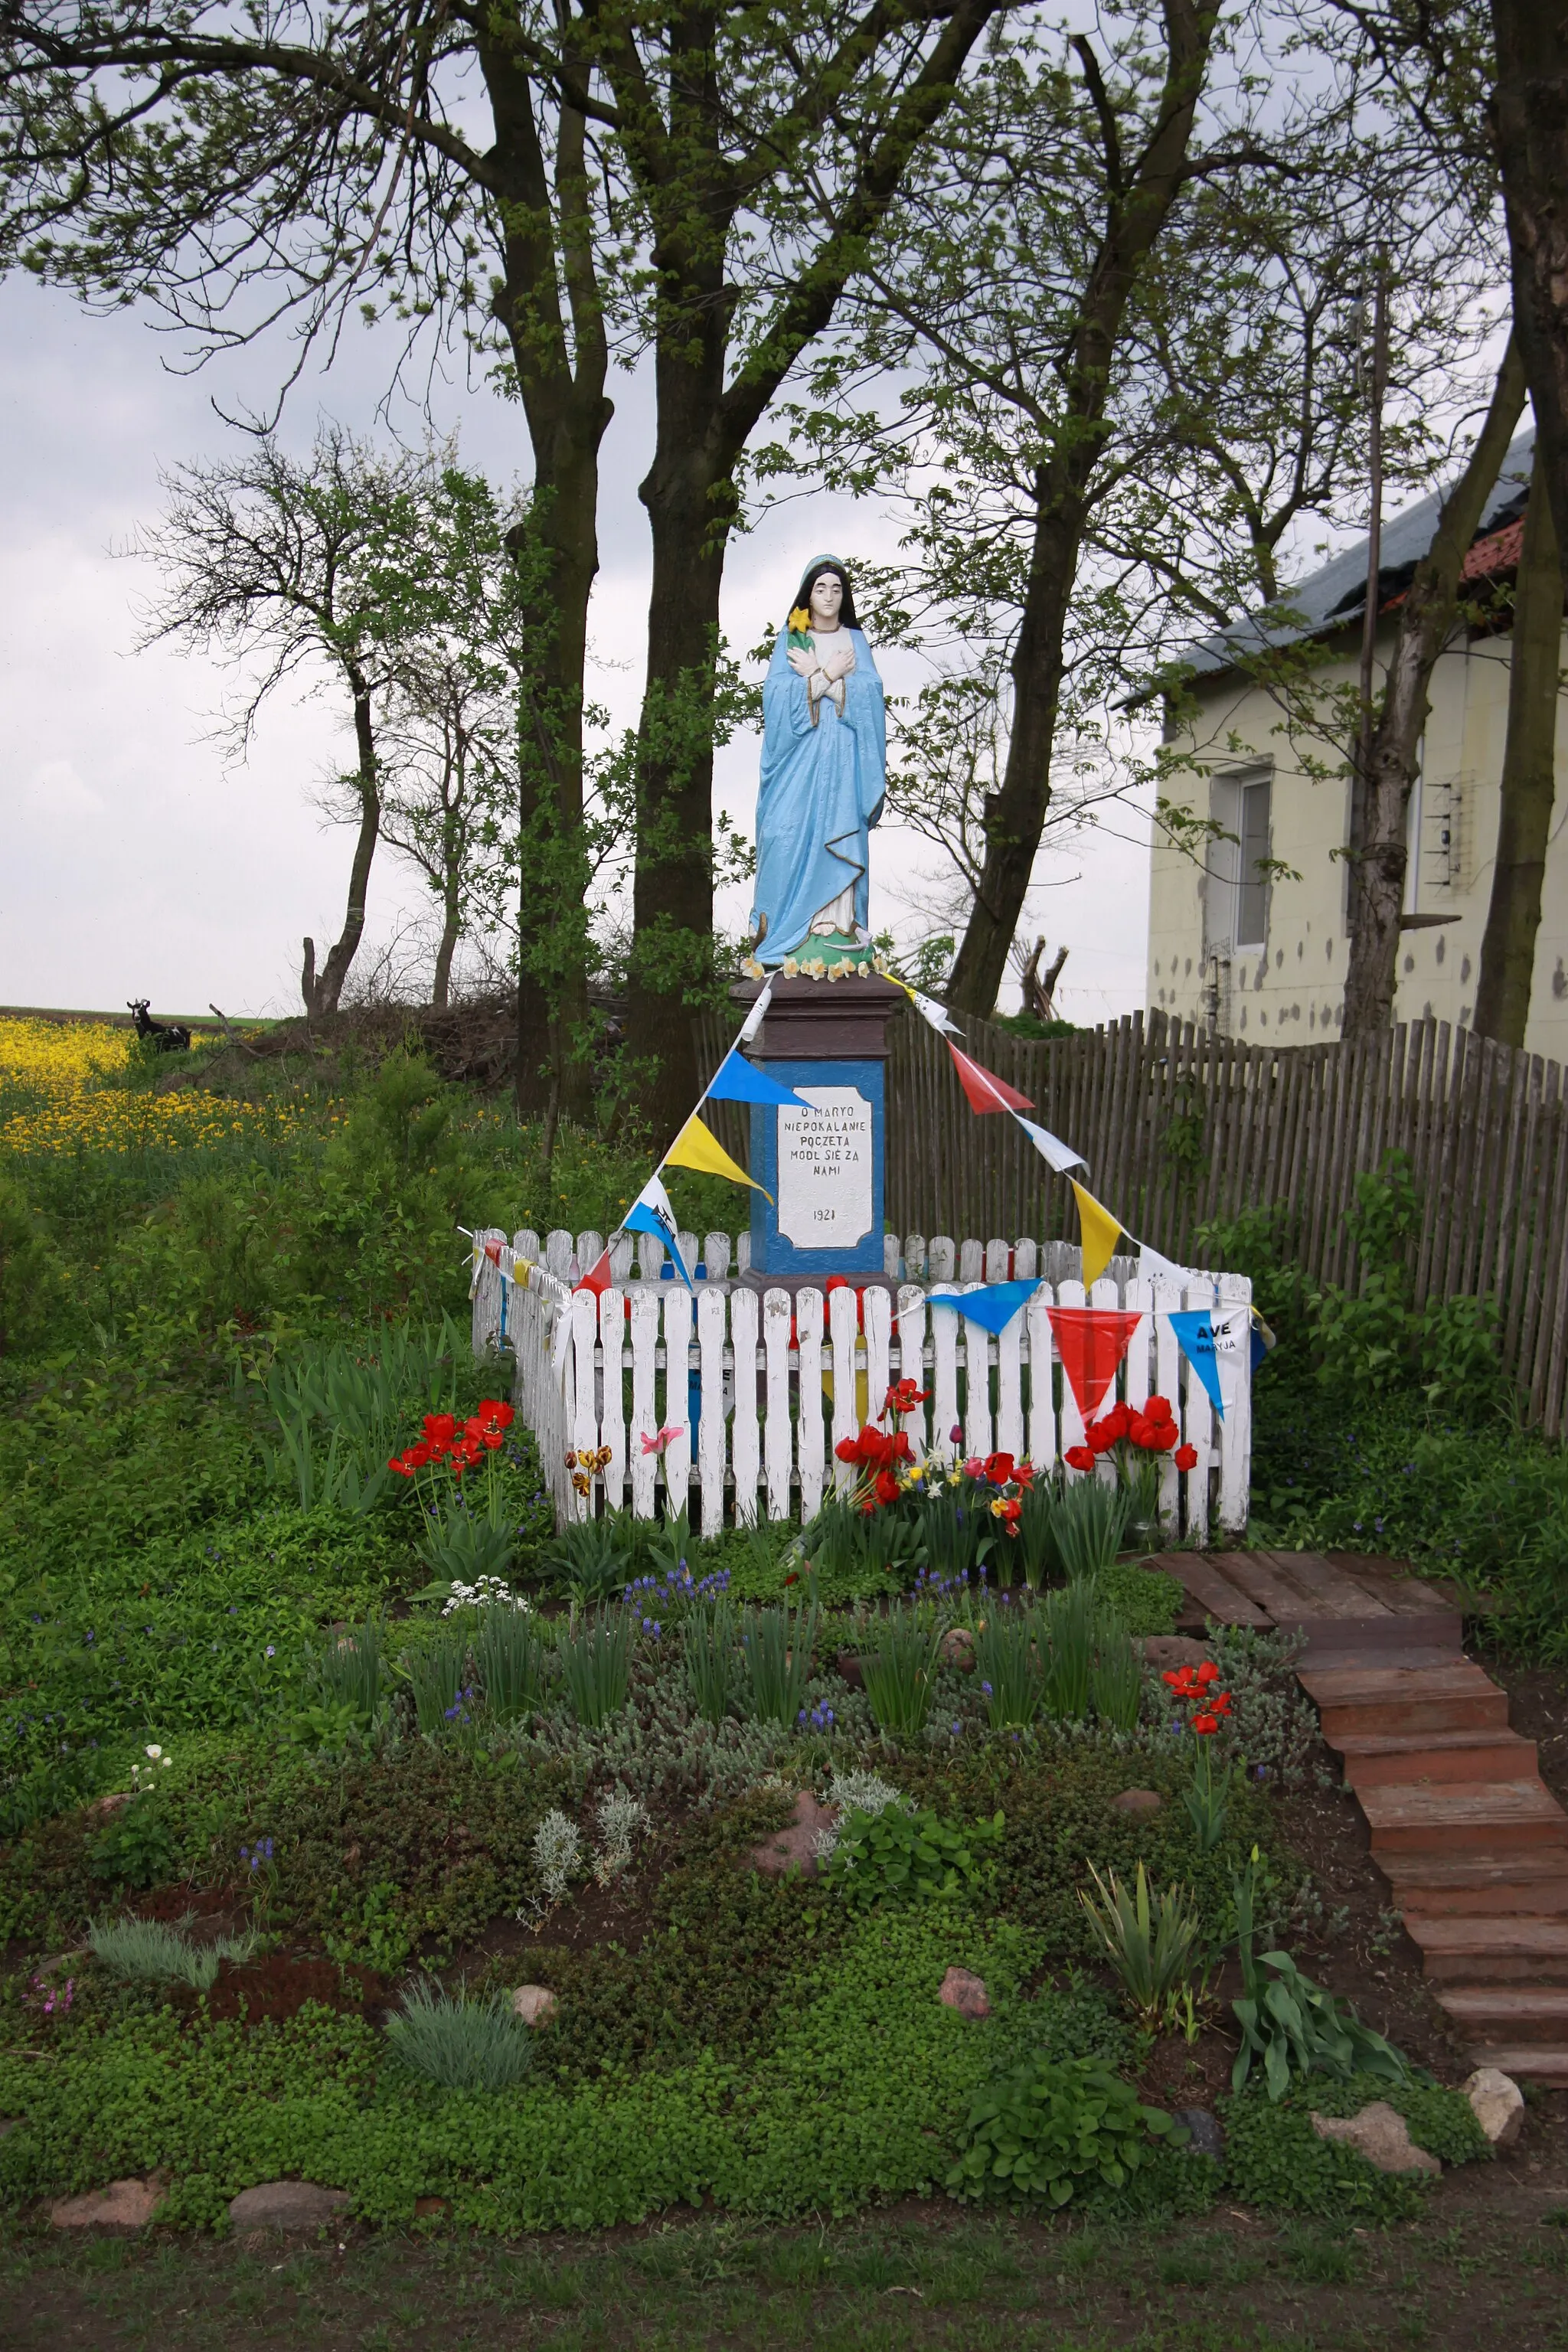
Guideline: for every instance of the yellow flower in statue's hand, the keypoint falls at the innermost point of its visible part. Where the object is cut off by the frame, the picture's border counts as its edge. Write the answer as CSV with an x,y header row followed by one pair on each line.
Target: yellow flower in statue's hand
x,y
799,619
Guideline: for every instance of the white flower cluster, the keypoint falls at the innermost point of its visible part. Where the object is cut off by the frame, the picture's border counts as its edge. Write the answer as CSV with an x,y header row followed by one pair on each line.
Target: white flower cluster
x,y
145,1776
486,1593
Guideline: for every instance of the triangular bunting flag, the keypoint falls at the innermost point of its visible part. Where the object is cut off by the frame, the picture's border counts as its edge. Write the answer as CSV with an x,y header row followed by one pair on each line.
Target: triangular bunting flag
x,y
738,1080
650,1213
1056,1155
1091,1342
986,1090
1263,1339
992,1306
1195,1338
930,1010
698,1147
1150,1264
1232,1353
597,1278
1099,1232
753,1020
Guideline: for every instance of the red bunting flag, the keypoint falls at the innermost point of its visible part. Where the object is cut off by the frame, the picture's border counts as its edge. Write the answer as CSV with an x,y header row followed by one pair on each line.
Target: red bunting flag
x,y
597,1278
493,1251
986,1090
1091,1342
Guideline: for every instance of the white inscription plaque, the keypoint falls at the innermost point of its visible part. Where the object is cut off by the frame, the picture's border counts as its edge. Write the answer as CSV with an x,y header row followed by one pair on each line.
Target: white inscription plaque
x,y
825,1168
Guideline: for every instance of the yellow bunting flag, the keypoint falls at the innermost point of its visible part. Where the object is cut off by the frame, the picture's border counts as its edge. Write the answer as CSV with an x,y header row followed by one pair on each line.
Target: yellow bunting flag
x,y
1098,1230
698,1147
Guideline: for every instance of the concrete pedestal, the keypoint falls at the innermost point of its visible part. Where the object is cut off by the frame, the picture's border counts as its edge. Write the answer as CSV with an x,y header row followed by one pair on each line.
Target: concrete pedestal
x,y
828,1040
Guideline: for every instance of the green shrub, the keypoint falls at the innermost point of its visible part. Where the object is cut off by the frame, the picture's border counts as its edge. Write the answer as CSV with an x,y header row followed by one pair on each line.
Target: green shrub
x,y
1050,2128
898,1856
460,2044
32,1285
1275,2159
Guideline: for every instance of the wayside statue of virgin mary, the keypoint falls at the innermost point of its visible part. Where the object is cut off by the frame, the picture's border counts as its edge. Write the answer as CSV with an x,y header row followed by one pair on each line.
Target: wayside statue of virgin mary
x,y
822,779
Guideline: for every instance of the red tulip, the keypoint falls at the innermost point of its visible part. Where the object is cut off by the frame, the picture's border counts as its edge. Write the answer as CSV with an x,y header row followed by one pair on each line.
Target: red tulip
x,y
886,1486
999,1468
1079,1457
1186,1457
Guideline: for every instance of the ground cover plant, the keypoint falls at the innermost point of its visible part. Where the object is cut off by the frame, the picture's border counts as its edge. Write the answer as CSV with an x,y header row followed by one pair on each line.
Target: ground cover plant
x,y
319,1740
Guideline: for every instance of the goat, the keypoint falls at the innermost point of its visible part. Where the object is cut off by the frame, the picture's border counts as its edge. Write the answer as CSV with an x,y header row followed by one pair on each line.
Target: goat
x,y
168,1036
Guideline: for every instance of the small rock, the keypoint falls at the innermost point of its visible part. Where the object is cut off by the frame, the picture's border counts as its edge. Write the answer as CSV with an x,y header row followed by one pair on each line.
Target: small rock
x,y
964,1991
795,1848
958,1649
1380,2135
535,2004
1137,1800
286,2205
101,1806
1496,2102
1206,2136
123,2205
1163,1650
426,2208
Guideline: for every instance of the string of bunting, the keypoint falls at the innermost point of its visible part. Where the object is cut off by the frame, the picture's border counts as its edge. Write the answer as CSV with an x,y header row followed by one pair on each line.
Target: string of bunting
x,y
1092,1340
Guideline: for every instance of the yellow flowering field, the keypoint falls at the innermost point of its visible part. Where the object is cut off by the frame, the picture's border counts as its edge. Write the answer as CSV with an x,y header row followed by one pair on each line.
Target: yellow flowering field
x,y
57,1093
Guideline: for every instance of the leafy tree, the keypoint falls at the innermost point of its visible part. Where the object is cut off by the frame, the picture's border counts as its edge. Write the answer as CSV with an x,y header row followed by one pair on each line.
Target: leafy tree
x,y
300,571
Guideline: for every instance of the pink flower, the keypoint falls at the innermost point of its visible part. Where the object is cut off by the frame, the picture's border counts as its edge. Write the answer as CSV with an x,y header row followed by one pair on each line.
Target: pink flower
x,y
662,1439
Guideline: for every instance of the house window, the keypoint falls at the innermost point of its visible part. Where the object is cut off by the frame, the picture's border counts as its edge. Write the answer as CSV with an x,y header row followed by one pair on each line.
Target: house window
x,y
1236,897
1252,886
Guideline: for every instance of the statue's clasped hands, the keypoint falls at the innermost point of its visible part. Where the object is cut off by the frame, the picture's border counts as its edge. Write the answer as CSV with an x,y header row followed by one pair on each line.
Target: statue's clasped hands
x,y
833,666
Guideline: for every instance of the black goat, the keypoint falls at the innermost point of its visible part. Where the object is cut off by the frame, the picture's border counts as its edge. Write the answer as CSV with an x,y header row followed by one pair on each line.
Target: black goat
x,y
169,1036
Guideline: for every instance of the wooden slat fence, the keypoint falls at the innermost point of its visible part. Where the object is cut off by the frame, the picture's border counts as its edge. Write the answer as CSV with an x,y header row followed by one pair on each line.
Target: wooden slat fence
x,y
1181,1128
761,1390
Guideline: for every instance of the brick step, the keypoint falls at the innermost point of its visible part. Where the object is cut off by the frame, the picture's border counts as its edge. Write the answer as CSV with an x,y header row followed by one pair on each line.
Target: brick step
x,y
1445,1885
1397,1698
1374,1758
1492,1951
1533,2062
1517,2013
1464,1816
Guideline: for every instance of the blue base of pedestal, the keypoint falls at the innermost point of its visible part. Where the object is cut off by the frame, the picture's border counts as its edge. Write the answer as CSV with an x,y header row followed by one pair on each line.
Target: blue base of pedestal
x,y
827,1173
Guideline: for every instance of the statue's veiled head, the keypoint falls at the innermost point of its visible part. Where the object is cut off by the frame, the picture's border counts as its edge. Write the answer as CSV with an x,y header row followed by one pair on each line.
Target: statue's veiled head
x,y
825,593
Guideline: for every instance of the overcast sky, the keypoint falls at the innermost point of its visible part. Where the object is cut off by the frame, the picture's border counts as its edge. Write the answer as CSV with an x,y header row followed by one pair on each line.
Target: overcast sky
x,y
136,865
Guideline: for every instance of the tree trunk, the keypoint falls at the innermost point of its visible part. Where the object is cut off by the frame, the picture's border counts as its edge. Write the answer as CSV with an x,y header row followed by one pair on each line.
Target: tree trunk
x,y
690,501
329,986
1426,623
1529,775
1529,128
1016,817
563,393
451,927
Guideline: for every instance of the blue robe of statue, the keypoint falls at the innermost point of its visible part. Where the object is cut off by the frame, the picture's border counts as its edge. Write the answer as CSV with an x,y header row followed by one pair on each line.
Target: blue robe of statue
x,y
822,788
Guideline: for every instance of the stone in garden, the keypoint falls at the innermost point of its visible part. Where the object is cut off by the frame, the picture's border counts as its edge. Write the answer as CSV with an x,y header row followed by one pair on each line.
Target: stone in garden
x,y
794,1848
1496,2102
1380,2135
535,2004
286,2205
964,1991
1137,1800
1171,1649
1206,2136
958,1649
123,2205
848,1664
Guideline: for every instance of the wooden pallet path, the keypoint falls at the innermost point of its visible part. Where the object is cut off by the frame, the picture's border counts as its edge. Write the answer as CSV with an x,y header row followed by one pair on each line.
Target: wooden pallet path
x,y
1473,1844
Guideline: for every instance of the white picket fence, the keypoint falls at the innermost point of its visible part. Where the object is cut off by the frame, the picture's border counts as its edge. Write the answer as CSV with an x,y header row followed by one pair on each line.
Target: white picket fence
x,y
604,1372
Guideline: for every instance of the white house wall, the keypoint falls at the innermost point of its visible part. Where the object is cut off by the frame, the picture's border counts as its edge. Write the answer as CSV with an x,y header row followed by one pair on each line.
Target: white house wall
x,y
1294,990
